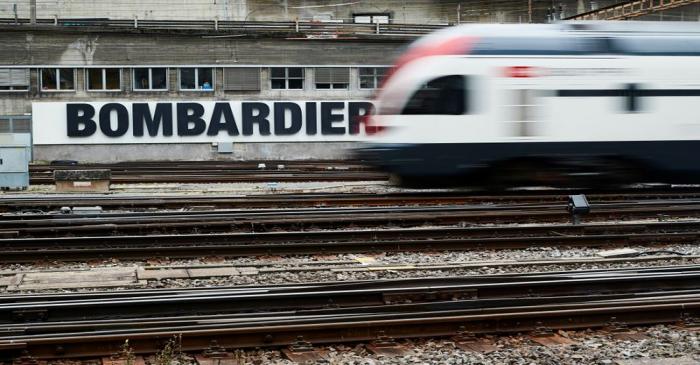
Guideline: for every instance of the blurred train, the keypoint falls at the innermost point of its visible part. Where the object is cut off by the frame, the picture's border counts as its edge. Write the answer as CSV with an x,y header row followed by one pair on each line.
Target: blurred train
x,y
567,104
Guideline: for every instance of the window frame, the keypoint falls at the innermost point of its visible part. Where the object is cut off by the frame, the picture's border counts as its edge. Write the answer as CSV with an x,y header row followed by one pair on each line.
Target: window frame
x,y
150,79
196,78
104,80
376,80
13,89
12,119
372,17
332,85
259,77
58,79
286,78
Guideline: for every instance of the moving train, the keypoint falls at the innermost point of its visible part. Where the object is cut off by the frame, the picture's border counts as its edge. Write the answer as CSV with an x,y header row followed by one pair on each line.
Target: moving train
x,y
565,104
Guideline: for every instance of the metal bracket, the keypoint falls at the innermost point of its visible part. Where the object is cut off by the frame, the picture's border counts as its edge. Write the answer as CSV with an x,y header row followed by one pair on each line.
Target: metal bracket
x,y
546,337
217,355
620,331
301,351
467,341
689,321
385,345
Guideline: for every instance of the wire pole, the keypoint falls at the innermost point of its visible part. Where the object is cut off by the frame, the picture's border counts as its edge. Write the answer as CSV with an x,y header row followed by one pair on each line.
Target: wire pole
x,y
529,11
459,11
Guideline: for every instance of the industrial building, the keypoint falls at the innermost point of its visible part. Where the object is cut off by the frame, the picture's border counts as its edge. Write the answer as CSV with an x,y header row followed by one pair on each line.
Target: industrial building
x,y
310,61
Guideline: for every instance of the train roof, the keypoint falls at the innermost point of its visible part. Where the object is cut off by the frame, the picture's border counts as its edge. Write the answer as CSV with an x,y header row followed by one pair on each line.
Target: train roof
x,y
576,37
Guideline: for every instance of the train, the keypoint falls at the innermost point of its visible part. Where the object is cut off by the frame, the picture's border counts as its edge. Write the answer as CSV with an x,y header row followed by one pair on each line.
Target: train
x,y
562,104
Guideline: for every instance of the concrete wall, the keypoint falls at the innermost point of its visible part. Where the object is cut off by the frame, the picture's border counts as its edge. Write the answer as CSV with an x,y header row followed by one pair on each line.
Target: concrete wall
x,y
401,11
73,48
76,49
194,152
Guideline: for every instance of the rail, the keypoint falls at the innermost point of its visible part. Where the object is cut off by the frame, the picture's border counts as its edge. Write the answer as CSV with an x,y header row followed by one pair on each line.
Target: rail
x,y
631,9
361,311
310,28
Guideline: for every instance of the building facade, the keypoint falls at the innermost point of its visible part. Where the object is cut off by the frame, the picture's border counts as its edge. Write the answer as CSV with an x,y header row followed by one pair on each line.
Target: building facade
x,y
245,69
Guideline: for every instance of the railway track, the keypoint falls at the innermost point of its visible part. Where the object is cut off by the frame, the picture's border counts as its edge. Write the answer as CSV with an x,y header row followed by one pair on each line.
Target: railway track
x,y
45,203
347,241
239,232
218,171
92,324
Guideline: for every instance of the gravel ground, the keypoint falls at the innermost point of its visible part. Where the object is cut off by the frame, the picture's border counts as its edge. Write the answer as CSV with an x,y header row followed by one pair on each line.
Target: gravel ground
x,y
327,276
233,188
592,347
401,258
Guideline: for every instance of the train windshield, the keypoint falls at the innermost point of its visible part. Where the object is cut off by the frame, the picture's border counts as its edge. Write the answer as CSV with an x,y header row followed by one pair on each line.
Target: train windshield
x,y
444,95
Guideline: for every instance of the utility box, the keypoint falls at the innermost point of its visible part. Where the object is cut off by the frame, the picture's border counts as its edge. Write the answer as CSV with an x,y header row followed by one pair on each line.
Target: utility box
x,y
14,166
95,181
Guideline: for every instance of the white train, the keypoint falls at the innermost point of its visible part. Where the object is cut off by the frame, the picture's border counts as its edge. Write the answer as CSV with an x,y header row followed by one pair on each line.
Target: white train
x,y
549,104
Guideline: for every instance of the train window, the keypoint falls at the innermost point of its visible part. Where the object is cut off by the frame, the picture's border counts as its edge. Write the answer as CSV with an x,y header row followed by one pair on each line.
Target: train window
x,y
371,77
659,45
57,79
332,77
563,45
286,78
196,79
441,96
14,79
103,79
150,79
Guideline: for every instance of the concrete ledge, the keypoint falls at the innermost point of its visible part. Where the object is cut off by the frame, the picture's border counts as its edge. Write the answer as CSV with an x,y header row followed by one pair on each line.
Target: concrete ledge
x,y
82,175
82,180
103,153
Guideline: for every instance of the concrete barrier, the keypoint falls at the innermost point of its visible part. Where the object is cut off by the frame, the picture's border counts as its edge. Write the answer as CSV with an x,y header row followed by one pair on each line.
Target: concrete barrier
x,y
82,180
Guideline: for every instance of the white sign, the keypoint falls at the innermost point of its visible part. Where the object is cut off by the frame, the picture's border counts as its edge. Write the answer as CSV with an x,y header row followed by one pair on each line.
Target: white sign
x,y
197,121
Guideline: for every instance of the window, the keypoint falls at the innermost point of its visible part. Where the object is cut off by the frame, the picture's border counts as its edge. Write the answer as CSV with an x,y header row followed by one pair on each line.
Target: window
x,y
150,79
332,77
371,77
370,18
196,79
242,78
14,79
444,95
57,79
287,78
104,79
11,124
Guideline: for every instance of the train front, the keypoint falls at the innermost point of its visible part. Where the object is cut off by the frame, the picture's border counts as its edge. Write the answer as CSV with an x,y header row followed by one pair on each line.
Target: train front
x,y
397,145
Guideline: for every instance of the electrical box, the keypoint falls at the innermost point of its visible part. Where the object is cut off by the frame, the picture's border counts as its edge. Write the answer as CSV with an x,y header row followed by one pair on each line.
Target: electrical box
x,y
225,147
14,166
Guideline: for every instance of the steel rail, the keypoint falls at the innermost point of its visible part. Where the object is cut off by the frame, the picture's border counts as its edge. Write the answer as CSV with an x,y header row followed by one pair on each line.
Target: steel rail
x,y
126,326
355,329
352,241
328,218
20,202
351,295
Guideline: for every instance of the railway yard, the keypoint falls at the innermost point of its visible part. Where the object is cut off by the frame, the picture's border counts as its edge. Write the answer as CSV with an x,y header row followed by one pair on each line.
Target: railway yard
x,y
325,262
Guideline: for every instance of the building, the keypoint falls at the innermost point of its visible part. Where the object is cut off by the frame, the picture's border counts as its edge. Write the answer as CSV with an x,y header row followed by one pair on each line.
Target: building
x,y
95,66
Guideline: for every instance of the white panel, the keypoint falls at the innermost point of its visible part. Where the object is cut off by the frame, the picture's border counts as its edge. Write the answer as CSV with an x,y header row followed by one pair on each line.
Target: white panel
x,y
50,124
